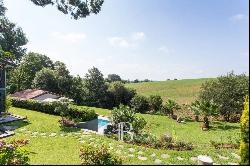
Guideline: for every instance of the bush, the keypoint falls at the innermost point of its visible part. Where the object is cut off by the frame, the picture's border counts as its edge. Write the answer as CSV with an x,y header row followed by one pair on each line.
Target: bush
x,y
140,104
13,153
171,106
98,156
244,126
227,92
125,114
120,94
57,108
155,103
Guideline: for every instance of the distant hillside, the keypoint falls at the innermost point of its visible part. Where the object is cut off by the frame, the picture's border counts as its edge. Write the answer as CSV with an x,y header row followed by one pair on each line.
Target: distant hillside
x,y
183,91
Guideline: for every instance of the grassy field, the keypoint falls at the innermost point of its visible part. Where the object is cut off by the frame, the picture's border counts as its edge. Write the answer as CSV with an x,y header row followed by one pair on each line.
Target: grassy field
x,y
183,91
51,144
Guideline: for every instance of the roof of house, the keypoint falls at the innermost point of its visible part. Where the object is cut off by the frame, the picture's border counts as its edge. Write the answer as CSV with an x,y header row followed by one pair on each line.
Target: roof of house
x,y
29,93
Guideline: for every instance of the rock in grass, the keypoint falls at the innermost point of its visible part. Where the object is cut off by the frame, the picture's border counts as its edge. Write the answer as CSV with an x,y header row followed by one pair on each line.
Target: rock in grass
x,y
157,161
194,158
165,156
142,158
153,155
131,149
131,155
180,158
223,157
140,152
52,135
233,164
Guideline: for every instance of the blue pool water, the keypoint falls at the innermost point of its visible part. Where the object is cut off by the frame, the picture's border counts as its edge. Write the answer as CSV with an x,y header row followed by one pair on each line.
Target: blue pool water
x,y
102,122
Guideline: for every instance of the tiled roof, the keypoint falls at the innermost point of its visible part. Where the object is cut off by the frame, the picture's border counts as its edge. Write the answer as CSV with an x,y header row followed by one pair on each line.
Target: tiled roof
x,y
29,93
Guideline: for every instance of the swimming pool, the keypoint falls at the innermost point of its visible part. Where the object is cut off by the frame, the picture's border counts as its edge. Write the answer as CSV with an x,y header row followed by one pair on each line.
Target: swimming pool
x,y
102,122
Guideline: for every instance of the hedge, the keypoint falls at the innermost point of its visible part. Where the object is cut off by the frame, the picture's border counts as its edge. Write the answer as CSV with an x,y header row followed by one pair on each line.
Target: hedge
x,y
244,126
73,112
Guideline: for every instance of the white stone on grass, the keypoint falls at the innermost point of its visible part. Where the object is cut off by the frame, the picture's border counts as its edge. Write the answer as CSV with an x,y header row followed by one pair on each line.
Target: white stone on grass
x,y
223,157
131,155
142,158
82,141
232,164
180,158
23,129
43,134
120,146
157,161
110,148
153,155
140,152
35,133
165,156
236,156
194,158
131,149
52,135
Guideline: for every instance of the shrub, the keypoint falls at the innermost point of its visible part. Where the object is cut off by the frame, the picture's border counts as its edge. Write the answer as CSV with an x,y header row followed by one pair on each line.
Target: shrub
x,y
57,108
171,106
227,92
140,104
120,94
98,156
207,108
13,153
125,114
244,126
155,102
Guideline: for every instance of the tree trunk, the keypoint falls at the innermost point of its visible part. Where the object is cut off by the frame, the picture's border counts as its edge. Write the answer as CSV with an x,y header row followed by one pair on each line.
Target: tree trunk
x,y
196,118
205,125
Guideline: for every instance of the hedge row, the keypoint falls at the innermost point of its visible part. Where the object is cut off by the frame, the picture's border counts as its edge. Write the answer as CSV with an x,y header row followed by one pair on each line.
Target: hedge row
x,y
73,112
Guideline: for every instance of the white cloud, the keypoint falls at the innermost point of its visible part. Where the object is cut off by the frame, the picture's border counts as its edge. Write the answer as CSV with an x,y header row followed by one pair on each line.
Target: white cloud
x,y
70,37
238,17
127,42
138,36
120,42
165,50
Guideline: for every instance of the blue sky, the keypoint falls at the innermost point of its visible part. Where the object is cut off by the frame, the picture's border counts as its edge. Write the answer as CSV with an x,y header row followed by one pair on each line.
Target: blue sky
x,y
154,39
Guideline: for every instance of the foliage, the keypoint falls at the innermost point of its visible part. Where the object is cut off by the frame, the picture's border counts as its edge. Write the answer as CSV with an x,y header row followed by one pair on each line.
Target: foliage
x,y
57,108
120,94
76,8
95,89
2,8
171,106
98,156
155,103
207,108
140,104
244,126
227,92
13,153
8,104
21,78
45,79
125,114
113,78
12,38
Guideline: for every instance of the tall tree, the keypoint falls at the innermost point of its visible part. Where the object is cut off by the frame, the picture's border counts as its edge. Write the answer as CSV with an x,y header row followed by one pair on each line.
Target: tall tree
x,y
76,8
95,88
12,39
22,77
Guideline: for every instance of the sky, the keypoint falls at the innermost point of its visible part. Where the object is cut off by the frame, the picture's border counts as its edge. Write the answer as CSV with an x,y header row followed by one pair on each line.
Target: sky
x,y
139,39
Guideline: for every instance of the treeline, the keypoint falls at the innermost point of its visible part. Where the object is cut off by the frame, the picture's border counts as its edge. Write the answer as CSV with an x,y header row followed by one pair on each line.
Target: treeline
x,y
40,72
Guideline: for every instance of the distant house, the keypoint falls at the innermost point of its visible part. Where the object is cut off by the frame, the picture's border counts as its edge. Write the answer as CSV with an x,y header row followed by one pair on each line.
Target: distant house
x,y
36,94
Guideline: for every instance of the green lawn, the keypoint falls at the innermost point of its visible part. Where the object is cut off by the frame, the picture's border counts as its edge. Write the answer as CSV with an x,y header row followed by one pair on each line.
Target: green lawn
x,y
183,91
64,149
